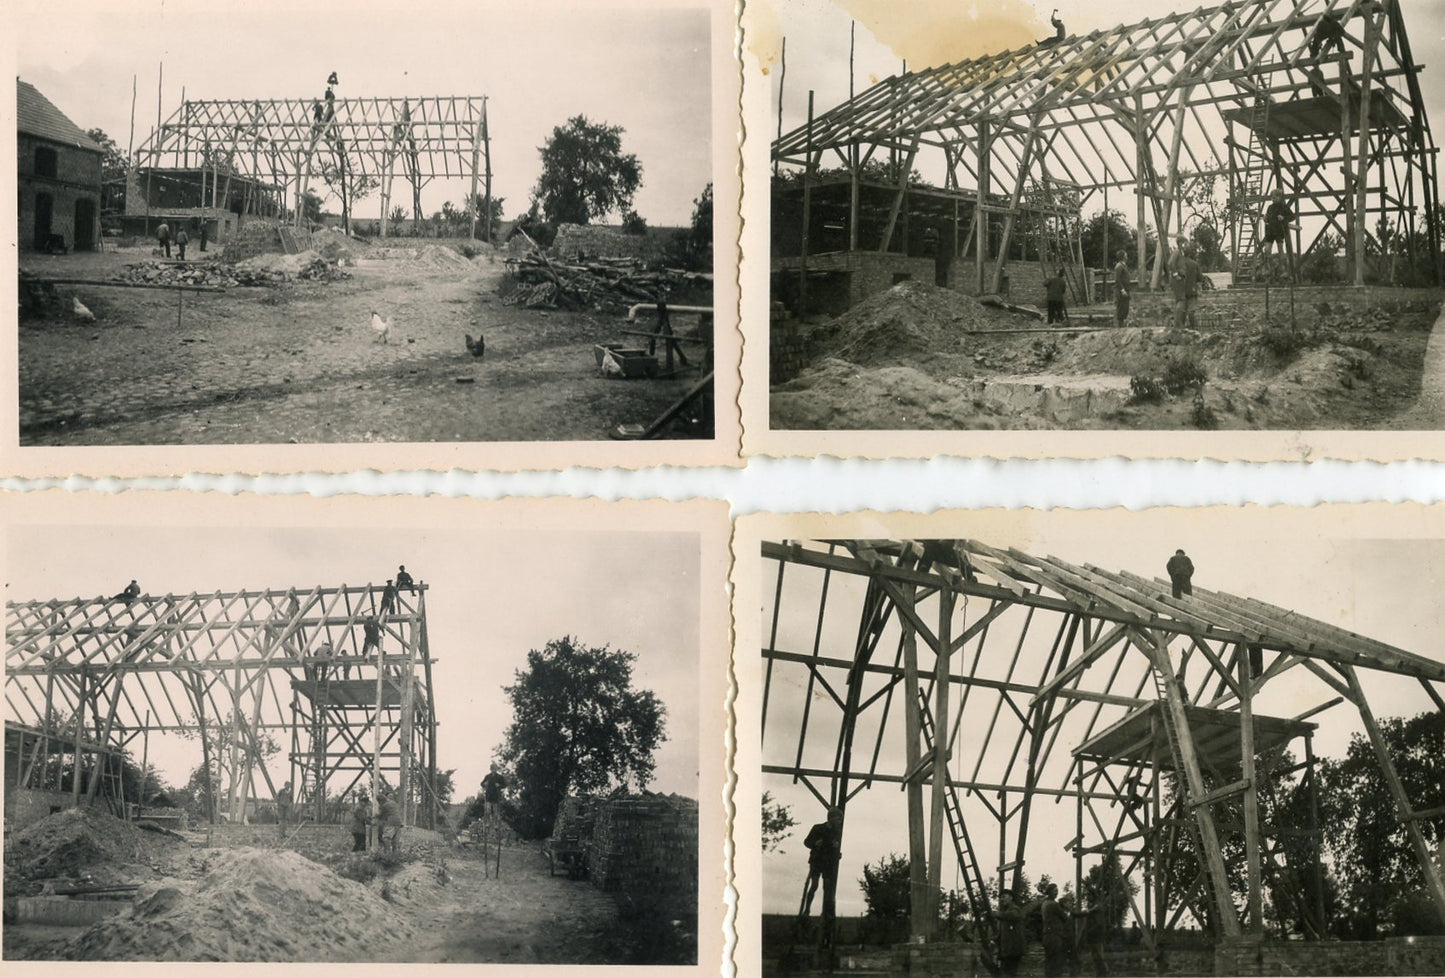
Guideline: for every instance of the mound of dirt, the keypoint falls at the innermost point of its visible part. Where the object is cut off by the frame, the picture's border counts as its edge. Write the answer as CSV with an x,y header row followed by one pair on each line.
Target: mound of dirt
x,y
910,318
334,245
423,256
79,842
250,905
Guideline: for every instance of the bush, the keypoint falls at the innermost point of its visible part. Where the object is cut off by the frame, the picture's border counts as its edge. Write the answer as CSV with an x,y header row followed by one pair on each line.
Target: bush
x,y
1146,390
1183,374
1285,342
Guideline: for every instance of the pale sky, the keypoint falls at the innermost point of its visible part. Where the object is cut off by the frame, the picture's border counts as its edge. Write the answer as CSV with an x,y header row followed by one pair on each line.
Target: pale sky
x,y
1384,589
647,70
493,595
933,32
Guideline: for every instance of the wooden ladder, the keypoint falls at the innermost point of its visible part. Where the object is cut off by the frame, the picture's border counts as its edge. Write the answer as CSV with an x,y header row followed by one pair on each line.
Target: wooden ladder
x,y
1246,261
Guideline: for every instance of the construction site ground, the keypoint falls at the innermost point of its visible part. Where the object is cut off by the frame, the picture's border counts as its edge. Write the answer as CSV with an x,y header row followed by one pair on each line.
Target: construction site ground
x,y
919,357
298,362
238,894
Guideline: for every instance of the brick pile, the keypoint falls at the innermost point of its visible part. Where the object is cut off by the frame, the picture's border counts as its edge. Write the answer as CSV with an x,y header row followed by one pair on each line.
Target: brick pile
x,y
645,847
257,237
597,242
576,818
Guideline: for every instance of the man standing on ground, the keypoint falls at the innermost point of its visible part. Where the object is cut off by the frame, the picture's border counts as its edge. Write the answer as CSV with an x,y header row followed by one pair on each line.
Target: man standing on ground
x,y
163,235
1057,934
182,239
1185,279
388,833
1010,933
360,819
1054,291
1181,573
204,232
823,843
1122,286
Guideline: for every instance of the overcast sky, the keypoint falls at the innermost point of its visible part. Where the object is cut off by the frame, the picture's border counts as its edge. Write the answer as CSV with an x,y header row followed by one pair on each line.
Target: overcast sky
x,y
646,70
493,596
1385,589
934,32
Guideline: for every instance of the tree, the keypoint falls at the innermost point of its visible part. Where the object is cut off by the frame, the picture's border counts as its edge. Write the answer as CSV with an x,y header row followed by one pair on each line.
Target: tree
x,y
585,174
778,822
114,164
1379,876
1106,886
702,222
886,887
633,223
1120,234
578,726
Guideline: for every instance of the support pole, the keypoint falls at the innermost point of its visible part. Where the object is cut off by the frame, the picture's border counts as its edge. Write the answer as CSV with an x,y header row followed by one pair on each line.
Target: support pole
x,y
807,212
1251,800
472,203
1362,157
917,850
937,824
487,173
980,217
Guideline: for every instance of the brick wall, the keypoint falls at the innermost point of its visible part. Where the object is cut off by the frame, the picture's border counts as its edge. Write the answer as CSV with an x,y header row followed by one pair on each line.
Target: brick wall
x,y
790,348
257,237
1247,305
1397,956
25,806
598,242
77,178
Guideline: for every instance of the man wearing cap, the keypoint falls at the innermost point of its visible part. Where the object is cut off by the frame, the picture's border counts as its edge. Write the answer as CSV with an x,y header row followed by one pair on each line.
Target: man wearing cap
x,y
1181,573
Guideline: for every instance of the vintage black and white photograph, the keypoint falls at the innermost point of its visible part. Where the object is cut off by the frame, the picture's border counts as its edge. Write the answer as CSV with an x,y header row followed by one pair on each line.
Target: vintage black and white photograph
x,y
1172,742
342,226
1108,217
365,731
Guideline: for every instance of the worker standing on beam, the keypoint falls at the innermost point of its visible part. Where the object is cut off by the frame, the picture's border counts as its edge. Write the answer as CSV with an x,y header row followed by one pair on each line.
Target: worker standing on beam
x,y
1181,573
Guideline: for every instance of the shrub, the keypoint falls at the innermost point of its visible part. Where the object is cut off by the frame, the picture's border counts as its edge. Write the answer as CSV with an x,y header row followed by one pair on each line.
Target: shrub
x,y
1145,390
1285,342
1183,373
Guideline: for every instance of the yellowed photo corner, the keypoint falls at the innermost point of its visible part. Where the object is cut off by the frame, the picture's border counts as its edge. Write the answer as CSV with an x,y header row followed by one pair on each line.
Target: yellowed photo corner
x,y
481,451
493,579
765,26
1374,570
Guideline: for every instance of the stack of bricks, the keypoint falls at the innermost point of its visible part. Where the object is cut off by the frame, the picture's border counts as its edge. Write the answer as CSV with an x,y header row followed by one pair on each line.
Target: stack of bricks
x,y
789,349
595,242
259,237
576,818
645,847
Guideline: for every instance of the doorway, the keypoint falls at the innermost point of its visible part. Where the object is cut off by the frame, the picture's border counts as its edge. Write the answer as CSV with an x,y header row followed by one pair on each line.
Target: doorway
x,y
84,225
44,213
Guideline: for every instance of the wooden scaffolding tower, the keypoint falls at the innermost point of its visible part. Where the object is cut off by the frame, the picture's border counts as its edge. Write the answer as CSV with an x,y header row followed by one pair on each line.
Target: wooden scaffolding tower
x,y
1146,108
292,142
1023,680
236,669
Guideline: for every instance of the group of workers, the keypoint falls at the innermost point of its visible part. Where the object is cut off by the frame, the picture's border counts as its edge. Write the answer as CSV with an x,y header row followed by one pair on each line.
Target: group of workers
x,y
371,632
165,236
387,820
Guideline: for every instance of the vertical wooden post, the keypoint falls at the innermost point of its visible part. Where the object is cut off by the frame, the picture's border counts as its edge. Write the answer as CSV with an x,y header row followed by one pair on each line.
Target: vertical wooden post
x,y
78,751
937,823
376,745
1434,885
1251,799
1014,199
431,727
980,216
1141,150
1362,161
917,857
807,211
408,687
235,815
487,173
472,203
1165,208
1317,871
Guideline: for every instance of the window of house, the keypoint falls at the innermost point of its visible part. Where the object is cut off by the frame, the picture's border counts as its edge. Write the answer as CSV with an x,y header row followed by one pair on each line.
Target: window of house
x,y
45,162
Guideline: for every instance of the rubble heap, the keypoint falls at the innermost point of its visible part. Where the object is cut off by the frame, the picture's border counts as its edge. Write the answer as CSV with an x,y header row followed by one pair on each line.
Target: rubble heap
x,y
77,843
261,270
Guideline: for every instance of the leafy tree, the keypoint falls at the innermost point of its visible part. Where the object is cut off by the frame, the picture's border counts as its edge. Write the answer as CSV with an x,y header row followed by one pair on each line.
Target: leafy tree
x,y
1121,238
778,822
578,726
701,236
1106,886
633,223
311,207
585,174
114,164
886,887
479,205
1379,875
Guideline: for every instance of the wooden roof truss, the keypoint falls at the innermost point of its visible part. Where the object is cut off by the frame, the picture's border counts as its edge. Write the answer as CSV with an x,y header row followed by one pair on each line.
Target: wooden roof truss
x,y
251,664
1155,106
1055,680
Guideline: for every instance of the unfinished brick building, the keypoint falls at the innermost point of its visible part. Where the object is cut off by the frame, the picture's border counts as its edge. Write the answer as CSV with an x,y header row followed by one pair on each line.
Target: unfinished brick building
x,y
59,176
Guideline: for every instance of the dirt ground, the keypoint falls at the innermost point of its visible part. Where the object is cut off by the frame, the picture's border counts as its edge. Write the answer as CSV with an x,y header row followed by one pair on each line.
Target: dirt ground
x,y
245,898
902,360
299,362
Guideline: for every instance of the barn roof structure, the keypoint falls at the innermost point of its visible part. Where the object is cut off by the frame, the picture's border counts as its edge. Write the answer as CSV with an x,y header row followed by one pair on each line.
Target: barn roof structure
x,y
290,142
1318,98
1161,717
237,669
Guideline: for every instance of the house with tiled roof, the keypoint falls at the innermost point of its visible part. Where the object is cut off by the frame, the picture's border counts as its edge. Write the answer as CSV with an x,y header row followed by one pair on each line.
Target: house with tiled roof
x,y
59,177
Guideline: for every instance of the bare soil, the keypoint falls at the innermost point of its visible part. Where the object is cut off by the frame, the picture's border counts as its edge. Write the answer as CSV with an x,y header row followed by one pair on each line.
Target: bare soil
x,y
299,362
902,360
241,896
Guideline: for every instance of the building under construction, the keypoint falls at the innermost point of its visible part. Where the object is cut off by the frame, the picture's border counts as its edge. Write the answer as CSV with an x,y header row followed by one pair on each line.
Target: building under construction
x,y
993,687
245,674
261,157
1320,100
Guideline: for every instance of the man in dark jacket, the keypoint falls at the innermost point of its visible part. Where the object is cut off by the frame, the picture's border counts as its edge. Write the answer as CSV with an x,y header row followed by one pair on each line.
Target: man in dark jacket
x,y
1181,573
823,843
1058,934
1184,277
1010,933
1055,289
492,787
1122,287
360,819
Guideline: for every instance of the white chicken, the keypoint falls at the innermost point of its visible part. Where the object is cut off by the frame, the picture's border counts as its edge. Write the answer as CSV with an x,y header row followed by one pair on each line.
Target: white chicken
x,y
81,313
381,327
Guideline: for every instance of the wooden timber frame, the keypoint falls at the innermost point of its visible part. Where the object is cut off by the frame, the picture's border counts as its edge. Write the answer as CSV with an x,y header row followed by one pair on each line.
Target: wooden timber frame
x,y
1154,108
233,669
1027,680
283,143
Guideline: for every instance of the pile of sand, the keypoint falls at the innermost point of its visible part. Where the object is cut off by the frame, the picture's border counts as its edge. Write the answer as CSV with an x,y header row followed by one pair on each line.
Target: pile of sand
x,y
910,318
423,256
334,245
250,905
78,842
